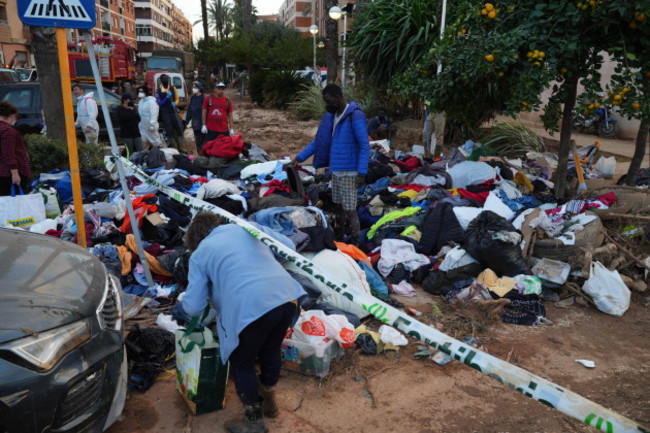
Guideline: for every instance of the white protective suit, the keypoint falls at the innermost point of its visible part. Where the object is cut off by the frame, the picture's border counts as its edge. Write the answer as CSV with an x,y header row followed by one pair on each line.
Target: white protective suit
x,y
148,110
87,117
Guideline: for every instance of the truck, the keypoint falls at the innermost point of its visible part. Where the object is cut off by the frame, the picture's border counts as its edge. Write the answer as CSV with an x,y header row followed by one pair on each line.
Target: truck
x,y
115,59
172,61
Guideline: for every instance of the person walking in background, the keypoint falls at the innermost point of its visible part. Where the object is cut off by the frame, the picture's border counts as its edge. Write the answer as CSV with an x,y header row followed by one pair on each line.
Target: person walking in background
x,y
436,123
86,114
194,116
342,144
217,114
14,161
148,111
129,120
167,98
255,307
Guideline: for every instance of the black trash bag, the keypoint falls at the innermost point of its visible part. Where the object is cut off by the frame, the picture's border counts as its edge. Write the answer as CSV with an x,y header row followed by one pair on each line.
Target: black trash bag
x,y
155,158
502,257
367,344
147,351
93,178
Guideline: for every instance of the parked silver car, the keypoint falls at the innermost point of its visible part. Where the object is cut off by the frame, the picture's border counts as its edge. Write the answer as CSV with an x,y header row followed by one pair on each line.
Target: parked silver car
x,y
62,359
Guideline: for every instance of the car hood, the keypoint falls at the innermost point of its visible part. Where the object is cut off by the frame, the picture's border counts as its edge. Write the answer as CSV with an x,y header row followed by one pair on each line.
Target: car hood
x,y
45,283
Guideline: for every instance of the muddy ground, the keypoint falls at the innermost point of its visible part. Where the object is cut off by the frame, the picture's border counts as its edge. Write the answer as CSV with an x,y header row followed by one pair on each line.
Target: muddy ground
x,y
393,392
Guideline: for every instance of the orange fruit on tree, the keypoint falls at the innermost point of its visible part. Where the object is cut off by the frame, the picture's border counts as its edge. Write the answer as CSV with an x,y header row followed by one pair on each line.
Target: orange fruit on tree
x,y
617,97
625,90
484,11
632,25
597,105
489,58
585,112
564,70
585,7
492,15
639,16
636,105
541,54
591,106
500,74
489,7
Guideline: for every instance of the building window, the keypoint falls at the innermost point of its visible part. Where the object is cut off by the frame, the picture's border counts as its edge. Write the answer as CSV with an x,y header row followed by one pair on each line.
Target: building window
x,y
3,14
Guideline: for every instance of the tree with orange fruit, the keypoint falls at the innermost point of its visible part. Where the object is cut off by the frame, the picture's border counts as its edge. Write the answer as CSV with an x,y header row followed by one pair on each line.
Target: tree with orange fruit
x,y
503,62
628,32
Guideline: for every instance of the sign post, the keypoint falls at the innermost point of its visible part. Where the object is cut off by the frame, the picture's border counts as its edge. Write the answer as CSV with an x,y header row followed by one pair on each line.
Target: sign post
x,y
62,14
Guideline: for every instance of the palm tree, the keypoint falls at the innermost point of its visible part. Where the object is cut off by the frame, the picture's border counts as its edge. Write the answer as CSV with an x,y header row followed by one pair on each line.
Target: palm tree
x,y
204,20
247,16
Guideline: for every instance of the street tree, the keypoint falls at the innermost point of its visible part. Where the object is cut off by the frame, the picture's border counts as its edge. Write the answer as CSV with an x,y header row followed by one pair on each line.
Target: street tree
x,y
47,61
629,90
331,42
499,56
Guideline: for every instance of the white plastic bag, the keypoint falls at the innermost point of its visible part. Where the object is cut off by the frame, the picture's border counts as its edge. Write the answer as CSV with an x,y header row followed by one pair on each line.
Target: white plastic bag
x,y
391,335
609,292
315,327
606,167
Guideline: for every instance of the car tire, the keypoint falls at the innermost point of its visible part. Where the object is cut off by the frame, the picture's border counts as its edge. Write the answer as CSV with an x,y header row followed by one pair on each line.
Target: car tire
x,y
554,249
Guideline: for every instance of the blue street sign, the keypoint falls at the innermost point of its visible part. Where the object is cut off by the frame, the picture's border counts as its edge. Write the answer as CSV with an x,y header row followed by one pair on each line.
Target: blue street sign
x,y
69,14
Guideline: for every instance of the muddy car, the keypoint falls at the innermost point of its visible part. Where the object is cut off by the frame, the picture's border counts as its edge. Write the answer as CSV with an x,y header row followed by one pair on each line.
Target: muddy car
x,y
62,357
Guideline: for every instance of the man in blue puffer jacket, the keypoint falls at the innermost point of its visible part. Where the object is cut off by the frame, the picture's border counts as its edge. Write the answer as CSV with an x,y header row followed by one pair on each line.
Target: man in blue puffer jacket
x,y
341,144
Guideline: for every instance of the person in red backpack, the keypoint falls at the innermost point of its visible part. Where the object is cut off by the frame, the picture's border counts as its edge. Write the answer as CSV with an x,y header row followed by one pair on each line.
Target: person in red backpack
x,y
217,114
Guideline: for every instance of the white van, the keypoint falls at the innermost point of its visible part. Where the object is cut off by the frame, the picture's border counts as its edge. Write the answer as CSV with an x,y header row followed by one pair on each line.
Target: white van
x,y
178,82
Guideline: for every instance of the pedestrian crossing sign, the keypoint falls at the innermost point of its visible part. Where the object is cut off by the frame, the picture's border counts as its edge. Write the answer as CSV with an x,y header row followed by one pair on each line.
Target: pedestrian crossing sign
x,y
71,14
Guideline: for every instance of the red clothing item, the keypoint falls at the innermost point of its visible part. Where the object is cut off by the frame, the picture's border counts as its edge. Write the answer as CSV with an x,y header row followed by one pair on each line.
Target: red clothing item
x,y
216,118
140,208
275,185
13,153
479,197
410,164
608,199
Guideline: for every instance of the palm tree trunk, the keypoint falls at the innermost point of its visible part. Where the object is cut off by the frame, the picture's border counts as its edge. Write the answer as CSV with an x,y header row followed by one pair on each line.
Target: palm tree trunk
x,y
47,59
641,143
204,18
331,42
247,16
565,137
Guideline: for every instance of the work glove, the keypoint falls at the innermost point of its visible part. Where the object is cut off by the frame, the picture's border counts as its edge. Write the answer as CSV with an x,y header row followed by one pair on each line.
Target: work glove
x,y
232,131
204,129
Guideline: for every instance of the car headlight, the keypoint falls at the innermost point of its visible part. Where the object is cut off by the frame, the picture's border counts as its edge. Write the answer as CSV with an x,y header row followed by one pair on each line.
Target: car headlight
x,y
45,349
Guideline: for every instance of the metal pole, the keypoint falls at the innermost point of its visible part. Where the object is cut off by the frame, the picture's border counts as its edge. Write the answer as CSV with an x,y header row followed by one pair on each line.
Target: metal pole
x,y
73,156
314,34
442,27
345,32
116,153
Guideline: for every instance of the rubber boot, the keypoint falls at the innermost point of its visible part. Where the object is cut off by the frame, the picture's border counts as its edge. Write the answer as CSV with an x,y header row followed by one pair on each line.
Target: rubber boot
x,y
253,421
270,404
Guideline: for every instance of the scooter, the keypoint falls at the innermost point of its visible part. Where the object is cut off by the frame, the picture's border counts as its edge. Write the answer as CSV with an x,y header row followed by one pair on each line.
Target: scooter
x,y
600,122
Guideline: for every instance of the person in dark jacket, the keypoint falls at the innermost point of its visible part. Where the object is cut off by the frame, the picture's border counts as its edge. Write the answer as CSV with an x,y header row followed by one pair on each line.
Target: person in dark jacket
x,y
379,127
167,98
129,120
14,161
195,113
341,144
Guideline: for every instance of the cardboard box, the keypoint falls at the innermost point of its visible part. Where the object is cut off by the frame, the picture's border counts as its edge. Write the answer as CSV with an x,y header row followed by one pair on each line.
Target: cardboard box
x,y
149,224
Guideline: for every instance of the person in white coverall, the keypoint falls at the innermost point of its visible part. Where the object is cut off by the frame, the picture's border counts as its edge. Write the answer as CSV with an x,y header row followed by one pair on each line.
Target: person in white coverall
x,y
86,114
148,110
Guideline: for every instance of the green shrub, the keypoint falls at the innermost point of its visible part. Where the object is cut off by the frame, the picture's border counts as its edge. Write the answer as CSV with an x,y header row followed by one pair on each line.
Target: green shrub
x,y
308,103
281,87
256,86
47,154
512,140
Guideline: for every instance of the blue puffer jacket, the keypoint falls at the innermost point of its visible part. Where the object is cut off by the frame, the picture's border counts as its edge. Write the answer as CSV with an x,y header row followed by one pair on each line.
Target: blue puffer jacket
x,y
348,149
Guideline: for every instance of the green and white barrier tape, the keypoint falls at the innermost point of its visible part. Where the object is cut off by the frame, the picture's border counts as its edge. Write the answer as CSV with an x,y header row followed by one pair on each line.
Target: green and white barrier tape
x,y
517,378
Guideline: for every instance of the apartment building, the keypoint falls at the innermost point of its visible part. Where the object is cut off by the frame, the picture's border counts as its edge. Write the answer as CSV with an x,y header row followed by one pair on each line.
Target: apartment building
x,y
160,25
15,39
297,14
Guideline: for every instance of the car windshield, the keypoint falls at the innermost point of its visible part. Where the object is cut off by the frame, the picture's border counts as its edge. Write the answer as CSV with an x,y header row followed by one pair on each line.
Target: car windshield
x,y
111,99
9,76
21,98
162,63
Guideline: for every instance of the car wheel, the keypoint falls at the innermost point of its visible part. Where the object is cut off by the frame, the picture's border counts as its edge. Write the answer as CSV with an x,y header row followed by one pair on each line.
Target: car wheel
x,y
554,249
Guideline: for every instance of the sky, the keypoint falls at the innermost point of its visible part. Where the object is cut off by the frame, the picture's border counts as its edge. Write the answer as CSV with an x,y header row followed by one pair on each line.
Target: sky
x,y
192,9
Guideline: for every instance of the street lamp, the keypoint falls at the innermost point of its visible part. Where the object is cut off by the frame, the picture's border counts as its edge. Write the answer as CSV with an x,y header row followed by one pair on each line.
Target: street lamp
x,y
335,13
314,30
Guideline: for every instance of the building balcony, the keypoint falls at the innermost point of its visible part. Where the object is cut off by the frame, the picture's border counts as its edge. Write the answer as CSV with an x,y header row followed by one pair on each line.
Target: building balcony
x,y
103,3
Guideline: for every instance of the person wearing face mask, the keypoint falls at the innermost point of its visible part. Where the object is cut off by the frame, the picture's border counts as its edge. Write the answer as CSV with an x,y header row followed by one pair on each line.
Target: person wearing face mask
x,y
86,114
341,143
194,115
379,127
129,120
148,111
167,98
14,161
217,114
